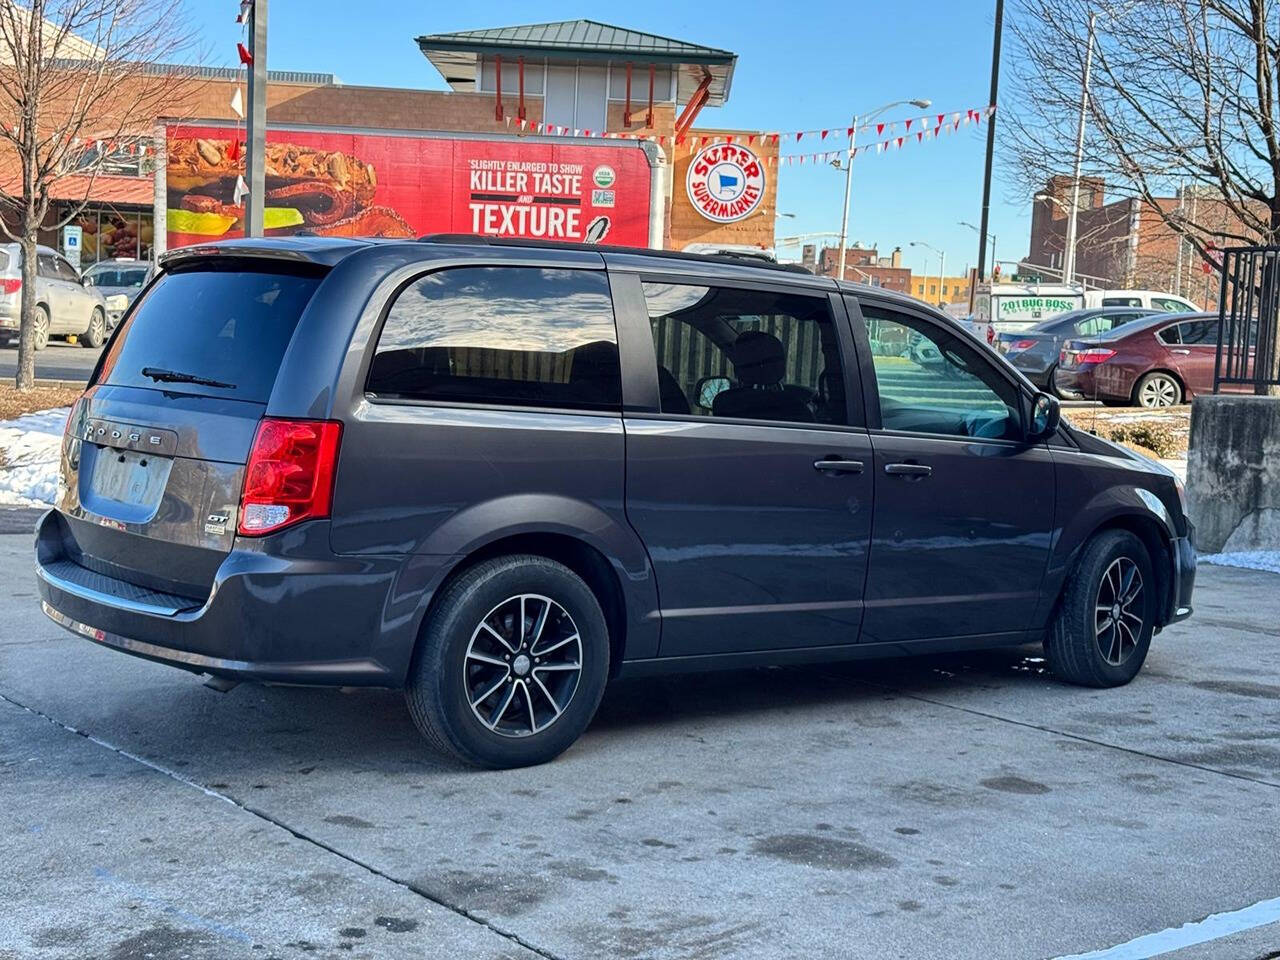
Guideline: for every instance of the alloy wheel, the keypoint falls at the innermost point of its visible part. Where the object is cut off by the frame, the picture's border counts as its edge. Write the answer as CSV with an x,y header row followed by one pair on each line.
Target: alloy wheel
x,y
1117,614
1158,392
522,665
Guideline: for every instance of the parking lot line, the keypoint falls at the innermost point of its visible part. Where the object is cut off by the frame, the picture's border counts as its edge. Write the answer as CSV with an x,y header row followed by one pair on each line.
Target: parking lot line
x,y
1213,927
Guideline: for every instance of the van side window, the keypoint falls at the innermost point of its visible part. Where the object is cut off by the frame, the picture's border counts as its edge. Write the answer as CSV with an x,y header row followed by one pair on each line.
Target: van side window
x,y
932,381
513,336
1170,306
746,354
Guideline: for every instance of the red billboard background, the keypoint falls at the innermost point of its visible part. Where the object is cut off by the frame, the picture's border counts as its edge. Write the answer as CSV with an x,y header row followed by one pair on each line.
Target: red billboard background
x,y
329,183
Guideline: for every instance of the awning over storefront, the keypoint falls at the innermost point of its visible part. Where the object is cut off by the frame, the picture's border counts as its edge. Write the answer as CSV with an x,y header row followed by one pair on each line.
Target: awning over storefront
x,y
103,189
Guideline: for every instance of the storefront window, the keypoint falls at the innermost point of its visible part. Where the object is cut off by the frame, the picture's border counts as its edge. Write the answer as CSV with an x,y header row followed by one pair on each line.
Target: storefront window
x,y
111,233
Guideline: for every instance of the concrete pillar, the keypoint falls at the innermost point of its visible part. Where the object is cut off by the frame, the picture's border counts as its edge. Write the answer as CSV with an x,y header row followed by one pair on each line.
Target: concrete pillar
x,y
1233,473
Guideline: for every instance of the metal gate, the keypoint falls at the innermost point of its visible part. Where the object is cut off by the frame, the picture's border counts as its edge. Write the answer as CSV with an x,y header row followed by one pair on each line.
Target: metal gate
x,y
1248,320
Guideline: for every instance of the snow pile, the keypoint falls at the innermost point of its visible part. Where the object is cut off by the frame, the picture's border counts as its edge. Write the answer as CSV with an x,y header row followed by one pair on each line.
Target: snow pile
x,y
29,451
1268,560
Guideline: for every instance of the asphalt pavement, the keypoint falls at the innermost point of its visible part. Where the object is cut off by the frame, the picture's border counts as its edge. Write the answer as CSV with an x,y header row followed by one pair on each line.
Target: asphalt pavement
x,y
58,361
965,806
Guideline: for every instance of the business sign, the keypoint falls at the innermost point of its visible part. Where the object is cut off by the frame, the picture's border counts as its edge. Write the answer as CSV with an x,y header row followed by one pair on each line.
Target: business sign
x,y
725,182
331,183
1035,308
72,241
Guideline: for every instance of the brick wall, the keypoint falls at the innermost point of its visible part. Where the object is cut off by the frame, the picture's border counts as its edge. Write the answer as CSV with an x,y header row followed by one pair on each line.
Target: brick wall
x,y
687,225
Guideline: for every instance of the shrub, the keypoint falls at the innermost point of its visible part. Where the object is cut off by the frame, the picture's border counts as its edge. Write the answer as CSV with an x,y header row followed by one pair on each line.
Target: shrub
x,y
1158,436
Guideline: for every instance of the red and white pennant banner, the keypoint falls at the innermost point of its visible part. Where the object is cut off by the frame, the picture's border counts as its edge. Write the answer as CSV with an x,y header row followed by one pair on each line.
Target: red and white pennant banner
x,y
921,127
949,124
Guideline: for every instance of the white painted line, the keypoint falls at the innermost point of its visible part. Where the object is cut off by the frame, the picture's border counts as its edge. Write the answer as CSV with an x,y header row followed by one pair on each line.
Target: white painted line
x,y
1213,927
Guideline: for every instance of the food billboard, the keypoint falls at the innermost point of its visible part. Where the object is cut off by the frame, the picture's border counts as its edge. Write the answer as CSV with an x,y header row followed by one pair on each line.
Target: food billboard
x,y
328,182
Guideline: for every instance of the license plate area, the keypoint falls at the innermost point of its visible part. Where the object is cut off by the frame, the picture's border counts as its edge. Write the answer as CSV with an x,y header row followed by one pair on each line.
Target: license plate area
x,y
125,485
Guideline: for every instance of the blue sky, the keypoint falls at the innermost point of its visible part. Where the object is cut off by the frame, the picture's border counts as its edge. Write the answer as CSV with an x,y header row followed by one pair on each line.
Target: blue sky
x,y
800,66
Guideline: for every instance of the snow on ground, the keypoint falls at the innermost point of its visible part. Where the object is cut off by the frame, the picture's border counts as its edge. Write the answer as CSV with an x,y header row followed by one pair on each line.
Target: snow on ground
x,y
1268,560
29,449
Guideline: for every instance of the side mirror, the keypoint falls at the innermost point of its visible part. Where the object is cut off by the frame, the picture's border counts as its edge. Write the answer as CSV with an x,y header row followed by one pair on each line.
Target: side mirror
x,y
87,281
1046,414
709,388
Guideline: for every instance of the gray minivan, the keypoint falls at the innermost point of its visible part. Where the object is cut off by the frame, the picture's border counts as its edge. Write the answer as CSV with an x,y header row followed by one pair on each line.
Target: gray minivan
x,y
496,474
65,304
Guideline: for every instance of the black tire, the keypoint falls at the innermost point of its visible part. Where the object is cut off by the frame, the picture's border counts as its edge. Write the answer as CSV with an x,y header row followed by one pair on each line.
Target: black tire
x,y
1078,635
1158,389
1051,384
444,682
40,334
96,335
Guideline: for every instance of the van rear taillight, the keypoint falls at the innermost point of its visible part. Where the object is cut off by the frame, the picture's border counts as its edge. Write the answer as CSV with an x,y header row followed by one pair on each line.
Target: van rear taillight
x,y
289,476
10,285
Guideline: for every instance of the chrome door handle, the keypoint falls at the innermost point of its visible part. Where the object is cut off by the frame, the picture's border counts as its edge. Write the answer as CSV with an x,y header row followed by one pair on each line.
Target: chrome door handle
x,y
838,466
908,470
1185,353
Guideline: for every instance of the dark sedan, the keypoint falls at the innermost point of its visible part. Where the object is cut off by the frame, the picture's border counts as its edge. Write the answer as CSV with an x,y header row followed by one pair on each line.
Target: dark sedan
x,y
1035,351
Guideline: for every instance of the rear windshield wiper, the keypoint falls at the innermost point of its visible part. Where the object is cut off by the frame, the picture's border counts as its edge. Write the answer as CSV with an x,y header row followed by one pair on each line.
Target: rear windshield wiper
x,y
176,376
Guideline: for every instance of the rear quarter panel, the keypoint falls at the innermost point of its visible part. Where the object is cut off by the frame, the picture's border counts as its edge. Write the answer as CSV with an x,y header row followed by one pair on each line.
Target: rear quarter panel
x,y
432,482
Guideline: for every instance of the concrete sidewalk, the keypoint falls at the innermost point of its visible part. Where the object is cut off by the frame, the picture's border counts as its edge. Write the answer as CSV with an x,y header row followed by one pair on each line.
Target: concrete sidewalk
x,y
964,806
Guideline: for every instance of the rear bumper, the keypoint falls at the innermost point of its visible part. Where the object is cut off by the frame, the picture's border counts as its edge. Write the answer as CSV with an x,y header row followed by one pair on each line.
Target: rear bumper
x,y
301,620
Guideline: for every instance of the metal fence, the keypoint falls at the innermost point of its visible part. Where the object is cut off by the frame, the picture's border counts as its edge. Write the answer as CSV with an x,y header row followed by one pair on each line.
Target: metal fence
x,y
1248,321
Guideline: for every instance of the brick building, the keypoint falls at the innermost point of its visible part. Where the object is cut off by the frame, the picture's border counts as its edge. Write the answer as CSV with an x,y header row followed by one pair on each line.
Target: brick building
x,y
953,289
865,265
579,74
1125,243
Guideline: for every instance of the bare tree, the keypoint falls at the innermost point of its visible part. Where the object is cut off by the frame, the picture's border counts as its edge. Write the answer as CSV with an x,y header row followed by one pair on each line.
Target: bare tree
x,y
79,80
1184,96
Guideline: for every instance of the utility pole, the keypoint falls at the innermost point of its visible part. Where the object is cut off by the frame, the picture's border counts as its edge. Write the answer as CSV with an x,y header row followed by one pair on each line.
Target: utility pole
x,y
256,148
848,187
1069,258
991,144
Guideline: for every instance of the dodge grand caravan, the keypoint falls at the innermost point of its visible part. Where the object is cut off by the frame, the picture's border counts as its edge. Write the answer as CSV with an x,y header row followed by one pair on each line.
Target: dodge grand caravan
x,y
497,474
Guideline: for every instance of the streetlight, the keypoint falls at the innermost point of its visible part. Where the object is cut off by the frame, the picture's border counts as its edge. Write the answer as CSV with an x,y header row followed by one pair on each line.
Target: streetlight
x,y
1069,256
848,165
942,262
990,236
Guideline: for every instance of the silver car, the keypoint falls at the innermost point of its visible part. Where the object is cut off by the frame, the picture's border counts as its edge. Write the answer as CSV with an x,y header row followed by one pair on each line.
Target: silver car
x,y
119,281
65,304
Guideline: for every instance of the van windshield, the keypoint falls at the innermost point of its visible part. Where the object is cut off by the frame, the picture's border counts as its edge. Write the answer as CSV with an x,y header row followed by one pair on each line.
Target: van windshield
x,y
213,329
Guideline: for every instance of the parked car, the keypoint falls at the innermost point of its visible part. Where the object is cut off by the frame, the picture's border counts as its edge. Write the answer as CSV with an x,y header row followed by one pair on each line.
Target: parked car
x,y
1035,351
1159,361
65,305
119,281
497,474
1147,299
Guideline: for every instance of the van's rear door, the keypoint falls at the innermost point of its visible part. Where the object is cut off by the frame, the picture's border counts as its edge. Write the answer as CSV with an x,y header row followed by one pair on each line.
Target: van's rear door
x,y
153,462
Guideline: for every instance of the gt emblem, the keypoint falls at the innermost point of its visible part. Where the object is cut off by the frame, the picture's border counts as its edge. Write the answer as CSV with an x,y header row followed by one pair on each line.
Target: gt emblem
x,y
216,524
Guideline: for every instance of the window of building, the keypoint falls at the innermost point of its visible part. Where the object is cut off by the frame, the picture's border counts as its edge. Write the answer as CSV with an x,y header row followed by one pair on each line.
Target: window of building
x,y
933,289
931,381
746,354
517,336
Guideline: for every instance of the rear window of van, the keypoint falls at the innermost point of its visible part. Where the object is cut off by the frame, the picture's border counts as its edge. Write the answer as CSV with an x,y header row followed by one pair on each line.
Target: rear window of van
x,y
224,323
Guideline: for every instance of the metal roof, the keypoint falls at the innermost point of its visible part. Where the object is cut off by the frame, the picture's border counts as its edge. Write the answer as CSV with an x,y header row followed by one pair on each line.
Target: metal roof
x,y
577,37
457,55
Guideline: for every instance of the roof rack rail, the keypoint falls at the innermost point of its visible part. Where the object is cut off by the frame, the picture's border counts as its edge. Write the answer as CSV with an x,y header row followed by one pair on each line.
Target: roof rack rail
x,y
737,259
